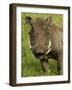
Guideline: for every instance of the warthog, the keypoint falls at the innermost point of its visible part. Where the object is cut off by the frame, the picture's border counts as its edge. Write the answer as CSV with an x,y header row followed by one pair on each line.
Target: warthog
x,y
46,41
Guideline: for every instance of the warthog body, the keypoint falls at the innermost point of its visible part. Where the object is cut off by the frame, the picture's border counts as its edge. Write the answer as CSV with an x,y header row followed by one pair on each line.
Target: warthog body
x,y
46,40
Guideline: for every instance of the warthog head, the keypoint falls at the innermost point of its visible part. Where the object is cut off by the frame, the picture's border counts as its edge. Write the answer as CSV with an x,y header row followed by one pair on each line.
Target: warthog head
x,y
39,41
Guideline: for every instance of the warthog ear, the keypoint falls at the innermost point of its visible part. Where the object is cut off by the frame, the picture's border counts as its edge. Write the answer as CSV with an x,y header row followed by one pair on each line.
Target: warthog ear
x,y
28,20
49,20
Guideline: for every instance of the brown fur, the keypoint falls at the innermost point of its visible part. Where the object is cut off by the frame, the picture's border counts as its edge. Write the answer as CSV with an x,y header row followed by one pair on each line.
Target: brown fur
x,y
43,31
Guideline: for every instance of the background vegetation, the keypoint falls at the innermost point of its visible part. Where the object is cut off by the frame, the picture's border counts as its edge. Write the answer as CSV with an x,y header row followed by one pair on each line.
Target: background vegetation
x,y
30,65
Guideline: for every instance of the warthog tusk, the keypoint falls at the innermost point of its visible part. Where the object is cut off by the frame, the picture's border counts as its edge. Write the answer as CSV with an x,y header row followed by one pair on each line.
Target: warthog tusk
x,y
48,51
49,47
30,45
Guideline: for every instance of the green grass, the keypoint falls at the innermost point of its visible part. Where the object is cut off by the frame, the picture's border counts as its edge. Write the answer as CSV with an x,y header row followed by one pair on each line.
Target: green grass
x,y
30,65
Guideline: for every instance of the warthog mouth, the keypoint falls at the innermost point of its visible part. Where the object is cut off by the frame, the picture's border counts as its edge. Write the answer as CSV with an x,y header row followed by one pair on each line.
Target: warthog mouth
x,y
38,54
42,55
